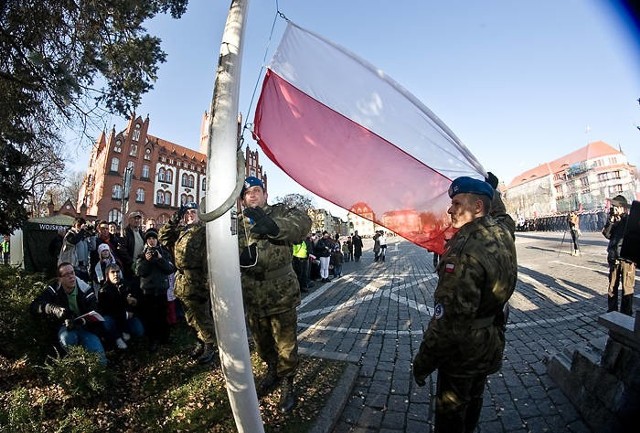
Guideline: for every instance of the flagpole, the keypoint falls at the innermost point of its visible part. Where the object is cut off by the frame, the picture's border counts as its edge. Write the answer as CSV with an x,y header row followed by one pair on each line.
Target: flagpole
x,y
222,241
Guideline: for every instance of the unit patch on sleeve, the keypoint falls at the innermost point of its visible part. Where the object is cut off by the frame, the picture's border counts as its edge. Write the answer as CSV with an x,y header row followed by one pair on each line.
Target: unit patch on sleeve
x,y
449,268
438,311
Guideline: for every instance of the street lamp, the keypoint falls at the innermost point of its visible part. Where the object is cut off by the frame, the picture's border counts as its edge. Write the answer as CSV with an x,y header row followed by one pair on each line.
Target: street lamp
x,y
124,206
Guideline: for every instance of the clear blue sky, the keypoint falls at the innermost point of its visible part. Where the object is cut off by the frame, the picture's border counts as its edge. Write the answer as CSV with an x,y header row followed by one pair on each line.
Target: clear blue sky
x,y
520,83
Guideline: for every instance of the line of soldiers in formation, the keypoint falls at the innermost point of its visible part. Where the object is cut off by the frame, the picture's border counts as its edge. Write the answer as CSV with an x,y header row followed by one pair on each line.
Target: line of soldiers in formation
x,y
590,221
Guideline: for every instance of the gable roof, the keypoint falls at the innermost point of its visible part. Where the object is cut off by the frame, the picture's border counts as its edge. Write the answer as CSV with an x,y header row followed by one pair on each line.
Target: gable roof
x,y
594,150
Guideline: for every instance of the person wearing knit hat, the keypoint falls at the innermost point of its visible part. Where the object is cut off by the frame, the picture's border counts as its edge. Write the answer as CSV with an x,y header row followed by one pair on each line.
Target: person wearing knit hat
x,y
153,266
477,275
622,272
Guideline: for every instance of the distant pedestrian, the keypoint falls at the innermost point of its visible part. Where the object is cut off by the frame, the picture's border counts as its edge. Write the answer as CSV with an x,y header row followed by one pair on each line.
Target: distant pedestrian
x,y
477,275
357,246
323,252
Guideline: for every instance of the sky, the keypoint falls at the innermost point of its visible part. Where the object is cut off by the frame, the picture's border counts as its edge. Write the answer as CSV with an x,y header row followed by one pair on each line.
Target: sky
x,y
520,83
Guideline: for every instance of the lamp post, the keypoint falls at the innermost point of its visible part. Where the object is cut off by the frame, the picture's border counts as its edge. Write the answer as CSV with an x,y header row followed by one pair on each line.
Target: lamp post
x,y
126,188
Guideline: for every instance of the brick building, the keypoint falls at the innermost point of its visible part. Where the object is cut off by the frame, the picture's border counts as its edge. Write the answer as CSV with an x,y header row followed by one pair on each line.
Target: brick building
x,y
162,175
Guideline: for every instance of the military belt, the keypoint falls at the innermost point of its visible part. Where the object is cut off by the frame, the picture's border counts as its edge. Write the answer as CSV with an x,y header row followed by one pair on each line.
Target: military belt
x,y
272,275
483,322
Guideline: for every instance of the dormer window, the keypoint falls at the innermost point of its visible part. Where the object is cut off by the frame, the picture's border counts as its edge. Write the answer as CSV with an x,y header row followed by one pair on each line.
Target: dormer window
x,y
118,146
147,154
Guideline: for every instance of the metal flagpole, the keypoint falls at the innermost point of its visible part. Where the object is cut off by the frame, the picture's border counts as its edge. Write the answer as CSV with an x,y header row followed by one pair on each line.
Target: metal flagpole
x,y
222,241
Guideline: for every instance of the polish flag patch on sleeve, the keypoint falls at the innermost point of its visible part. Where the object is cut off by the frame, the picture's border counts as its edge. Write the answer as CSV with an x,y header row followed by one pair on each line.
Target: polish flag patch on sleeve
x,y
449,268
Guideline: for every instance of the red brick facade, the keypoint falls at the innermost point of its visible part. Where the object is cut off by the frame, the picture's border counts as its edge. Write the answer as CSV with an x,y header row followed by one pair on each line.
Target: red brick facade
x,y
164,174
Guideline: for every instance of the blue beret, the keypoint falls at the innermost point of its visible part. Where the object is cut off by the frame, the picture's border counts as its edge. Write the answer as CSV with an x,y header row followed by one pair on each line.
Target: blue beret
x,y
249,182
470,185
191,205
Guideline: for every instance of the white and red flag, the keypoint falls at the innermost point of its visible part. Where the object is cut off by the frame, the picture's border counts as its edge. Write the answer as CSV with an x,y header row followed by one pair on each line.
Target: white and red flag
x,y
350,134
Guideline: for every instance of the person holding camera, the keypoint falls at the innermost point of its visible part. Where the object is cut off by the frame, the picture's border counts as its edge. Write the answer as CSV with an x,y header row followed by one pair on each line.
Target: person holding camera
x,y
77,244
153,267
621,271
65,300
189,244
574,228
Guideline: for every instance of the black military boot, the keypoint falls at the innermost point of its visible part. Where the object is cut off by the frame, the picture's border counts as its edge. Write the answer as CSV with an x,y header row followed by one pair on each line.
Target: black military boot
x,y
208,353
197,350
268,383
288,397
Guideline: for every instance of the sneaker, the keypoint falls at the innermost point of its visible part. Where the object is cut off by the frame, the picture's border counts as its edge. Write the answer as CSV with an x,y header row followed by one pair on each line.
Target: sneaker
x,y
121,344
126,337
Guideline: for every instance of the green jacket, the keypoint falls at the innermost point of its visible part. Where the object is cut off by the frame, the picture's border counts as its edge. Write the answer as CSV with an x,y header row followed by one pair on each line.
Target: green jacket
x,y
271,286
477,276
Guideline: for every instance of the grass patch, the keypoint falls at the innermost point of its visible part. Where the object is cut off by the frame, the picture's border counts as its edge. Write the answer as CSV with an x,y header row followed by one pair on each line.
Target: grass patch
x,y
139,391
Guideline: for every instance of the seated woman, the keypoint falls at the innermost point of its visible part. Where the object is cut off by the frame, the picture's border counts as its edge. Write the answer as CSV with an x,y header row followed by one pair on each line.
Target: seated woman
x,y
117,304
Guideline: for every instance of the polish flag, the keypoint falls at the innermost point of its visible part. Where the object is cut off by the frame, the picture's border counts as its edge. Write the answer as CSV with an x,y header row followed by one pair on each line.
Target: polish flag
x,y
347,132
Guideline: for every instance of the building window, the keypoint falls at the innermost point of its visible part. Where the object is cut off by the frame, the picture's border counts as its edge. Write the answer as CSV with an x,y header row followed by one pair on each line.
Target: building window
x,y
118,147
140,195
584,181
190,199
185,179
116,192
204,183
131,165
616,174
161,174
167,198
169,177
115,165
136,133
134,150
145,171
183,198
159,197
115,215
147,154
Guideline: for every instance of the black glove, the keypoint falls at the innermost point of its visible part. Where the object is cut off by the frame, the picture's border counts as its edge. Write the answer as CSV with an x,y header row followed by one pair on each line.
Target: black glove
x,y
69,324
492,180
421,380
263,224
249,256
179,214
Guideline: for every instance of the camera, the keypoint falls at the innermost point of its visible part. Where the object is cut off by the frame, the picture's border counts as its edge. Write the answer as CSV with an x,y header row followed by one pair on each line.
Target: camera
x,y
153,251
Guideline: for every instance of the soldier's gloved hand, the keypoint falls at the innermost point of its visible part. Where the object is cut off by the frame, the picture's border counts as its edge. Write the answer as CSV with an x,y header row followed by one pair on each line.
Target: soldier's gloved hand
x,y
420,379
68,323
262,223
492,180
249,256
179,214
59,312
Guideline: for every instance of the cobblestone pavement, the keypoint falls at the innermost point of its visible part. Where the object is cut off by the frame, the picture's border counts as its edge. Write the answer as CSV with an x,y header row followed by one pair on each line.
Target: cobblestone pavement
x,y
375,314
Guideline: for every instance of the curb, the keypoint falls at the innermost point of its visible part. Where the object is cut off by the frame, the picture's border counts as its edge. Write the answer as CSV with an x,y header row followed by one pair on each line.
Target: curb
x,y
330,413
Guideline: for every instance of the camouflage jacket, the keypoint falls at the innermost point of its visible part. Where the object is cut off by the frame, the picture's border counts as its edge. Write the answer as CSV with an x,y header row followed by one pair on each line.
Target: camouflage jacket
x,y
271,286
189,246
477,276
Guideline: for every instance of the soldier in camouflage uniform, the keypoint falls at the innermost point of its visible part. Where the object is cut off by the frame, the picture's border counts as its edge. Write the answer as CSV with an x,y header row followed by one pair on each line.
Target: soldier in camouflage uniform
x,y
270,286
477,275
189,246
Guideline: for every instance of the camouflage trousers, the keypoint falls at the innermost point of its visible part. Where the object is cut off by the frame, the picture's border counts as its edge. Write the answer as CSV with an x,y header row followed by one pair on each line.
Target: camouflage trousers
x,y
458,403
276,340
197,312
